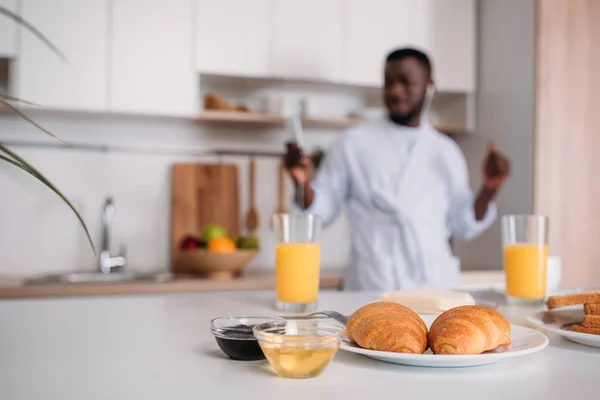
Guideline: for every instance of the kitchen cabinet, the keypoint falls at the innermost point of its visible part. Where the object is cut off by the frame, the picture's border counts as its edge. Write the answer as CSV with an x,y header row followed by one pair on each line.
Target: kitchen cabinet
x,y
8,31
151,66
80,30
371,29
306,39
233,37
445,29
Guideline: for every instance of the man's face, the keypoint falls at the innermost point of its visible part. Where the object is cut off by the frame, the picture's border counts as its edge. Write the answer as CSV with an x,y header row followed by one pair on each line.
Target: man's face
x,y
405,86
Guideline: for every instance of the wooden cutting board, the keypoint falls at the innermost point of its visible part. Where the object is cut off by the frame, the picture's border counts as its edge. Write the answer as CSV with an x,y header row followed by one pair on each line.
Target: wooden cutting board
x,y
202,194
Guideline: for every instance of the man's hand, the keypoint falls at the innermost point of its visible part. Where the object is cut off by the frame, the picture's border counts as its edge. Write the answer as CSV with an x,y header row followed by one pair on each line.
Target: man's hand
x,y
495,171
495,168
298,164
299,167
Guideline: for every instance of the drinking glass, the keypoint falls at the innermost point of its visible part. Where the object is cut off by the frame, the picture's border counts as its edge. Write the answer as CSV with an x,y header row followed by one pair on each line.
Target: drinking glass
x,y
525,248
297,261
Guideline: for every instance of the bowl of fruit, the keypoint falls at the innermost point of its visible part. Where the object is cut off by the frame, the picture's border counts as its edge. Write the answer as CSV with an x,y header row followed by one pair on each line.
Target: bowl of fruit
x,y
214,254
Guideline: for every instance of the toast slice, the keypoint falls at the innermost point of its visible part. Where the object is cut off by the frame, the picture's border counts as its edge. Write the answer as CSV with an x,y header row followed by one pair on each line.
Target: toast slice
x,y
591,321
572,299
591,308
583,329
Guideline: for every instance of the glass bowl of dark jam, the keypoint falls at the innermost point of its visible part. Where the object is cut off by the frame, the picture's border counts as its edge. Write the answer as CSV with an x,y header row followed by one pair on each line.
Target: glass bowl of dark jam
x,y
235,337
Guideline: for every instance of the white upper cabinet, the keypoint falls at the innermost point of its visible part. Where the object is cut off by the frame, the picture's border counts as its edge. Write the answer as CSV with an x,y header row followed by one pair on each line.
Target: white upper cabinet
x,y
445,29
79,28
306,39
152,67
8,30
233,37
371,29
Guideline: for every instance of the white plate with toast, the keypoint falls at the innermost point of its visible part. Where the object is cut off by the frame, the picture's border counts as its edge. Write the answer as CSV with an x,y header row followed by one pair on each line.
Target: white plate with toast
x,y
523,341
560,320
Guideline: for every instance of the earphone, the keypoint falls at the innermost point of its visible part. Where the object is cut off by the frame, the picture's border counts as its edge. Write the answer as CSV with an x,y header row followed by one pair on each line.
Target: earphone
x,y
429,93
430,90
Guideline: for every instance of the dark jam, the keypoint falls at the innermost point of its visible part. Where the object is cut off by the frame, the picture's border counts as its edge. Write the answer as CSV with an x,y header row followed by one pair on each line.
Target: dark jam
x,y
239,343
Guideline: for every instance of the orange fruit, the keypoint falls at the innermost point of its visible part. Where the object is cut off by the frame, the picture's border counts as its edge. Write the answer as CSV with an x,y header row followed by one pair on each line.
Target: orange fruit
x,y
221,245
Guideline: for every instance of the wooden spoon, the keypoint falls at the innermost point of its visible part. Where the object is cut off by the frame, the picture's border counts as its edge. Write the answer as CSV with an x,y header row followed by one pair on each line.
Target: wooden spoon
x,y
281,190
252,216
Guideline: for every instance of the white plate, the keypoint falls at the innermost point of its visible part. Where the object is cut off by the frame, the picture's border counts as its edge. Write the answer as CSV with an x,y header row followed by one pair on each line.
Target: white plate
x,y
559,321
500,288
524,341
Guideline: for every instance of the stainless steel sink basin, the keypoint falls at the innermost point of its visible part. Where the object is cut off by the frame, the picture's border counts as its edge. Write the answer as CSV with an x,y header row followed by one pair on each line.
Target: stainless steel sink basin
x,y
110,268
98,277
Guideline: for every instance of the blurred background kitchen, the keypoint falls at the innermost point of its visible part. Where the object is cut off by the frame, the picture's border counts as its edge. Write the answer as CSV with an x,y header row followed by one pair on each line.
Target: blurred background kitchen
x,y
150,84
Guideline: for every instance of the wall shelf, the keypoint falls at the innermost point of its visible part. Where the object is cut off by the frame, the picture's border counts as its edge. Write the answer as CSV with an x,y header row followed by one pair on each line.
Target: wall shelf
x,y
240,117
453,130
267,120
330,123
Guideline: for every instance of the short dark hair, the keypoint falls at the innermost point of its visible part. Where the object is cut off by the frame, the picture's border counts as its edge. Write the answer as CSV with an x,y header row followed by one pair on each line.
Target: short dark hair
x,y
400,54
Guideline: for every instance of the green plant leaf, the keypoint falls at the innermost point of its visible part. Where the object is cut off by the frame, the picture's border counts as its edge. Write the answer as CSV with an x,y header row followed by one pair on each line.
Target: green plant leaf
x,y
19,162
25,117
13,158
17,18
17,100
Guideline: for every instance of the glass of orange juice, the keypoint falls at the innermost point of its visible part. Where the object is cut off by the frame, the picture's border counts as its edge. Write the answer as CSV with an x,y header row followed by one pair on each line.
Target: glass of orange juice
x,y
525,245
297,262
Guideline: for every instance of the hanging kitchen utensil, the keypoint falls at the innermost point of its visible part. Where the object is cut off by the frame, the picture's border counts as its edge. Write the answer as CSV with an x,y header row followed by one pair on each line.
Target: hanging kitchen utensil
x,y
252,216
281,190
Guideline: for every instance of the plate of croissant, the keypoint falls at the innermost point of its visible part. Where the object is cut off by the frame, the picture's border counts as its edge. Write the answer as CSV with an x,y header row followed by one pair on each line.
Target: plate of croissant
x,y
463,336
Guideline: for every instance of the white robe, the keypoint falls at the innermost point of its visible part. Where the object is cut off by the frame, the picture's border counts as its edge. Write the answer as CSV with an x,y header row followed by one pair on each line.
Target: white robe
x,y
406,192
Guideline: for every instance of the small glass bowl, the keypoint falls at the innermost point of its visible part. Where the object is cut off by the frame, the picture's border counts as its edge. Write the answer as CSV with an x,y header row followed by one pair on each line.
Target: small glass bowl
x,y
235,336
299,348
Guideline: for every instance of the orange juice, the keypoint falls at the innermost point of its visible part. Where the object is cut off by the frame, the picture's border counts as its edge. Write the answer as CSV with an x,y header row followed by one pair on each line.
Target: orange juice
x,y
525,270
297,272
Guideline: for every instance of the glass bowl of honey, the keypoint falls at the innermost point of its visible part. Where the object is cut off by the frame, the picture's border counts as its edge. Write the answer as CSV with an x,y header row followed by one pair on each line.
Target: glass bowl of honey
x,y
299,348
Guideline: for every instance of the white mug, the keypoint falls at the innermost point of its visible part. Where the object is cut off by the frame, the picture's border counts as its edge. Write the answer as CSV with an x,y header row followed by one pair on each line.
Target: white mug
x,y
553,273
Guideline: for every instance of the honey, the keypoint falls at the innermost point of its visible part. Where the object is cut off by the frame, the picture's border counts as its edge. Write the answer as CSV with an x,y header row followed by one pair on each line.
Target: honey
x,y
300,348
299,362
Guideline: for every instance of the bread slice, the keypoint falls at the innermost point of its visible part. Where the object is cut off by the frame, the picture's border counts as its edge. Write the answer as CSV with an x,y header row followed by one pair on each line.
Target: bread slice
x,y
591,308
591,321
572,299
583,329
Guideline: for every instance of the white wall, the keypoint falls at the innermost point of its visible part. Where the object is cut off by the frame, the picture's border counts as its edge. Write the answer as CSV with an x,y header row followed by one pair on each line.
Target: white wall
x,y
39,234
504,113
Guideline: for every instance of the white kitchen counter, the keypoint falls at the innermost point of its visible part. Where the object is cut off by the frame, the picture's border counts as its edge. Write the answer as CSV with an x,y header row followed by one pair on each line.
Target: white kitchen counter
x,y
159,347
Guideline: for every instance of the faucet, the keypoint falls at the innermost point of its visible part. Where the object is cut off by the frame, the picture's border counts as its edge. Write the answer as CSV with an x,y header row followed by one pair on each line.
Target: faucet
x,y
108,263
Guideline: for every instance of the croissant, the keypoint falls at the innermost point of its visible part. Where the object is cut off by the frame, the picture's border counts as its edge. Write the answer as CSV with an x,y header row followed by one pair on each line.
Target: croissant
x,y
468,330
387,326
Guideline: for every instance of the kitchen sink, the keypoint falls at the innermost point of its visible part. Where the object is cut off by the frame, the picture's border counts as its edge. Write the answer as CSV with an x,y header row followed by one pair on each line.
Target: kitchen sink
x,y
111,268
98,277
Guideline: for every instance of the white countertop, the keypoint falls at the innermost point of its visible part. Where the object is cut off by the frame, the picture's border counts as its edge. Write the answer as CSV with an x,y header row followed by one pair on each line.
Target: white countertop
x,y
159,347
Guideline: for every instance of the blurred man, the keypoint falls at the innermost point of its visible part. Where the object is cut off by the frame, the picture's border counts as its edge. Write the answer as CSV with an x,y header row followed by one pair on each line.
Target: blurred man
x,y
405,187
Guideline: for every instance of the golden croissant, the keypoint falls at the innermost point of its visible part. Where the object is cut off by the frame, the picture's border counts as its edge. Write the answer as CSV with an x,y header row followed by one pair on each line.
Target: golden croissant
x,y
386,326
468,330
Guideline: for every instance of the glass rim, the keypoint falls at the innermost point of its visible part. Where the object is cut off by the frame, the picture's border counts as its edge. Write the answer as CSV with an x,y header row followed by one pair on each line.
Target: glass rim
x,y
333,332
220,330
214,321
525,216
297,215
